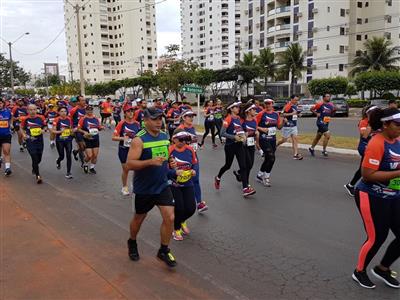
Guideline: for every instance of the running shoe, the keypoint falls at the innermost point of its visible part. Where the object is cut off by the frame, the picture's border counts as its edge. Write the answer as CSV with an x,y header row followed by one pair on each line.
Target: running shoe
x,y
217,183
298,157
58,165
177,235
125,191
132,250
312,151
52,145
92,171
200,145
386,276
350,189
363,279
237,175
21,148
39,179
75,154
167,257
260,179
248,191
7,172
68,176
24,145
85,169
215,146
185,229
324,153
202,207
267,181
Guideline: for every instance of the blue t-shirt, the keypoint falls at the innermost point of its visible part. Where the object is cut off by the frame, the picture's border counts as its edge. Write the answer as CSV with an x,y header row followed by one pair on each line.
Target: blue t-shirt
x,y
268,120
5,122
91,125
186,160
66,126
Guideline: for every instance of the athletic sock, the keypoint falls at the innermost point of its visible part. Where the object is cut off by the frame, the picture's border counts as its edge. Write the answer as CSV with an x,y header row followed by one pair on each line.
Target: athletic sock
x,y
267,175
7,165
92,166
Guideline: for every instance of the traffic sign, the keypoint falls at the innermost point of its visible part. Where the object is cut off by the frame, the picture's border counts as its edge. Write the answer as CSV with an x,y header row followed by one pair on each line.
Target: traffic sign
x,y
194,89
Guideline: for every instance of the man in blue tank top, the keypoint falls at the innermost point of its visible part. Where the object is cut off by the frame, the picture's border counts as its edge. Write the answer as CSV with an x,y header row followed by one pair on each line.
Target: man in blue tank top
x,y
148,157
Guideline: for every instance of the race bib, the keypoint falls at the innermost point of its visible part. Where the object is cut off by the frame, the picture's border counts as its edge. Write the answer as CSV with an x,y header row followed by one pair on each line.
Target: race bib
x,y
250,141
161,151
195,146
294,117
35,131
211,117
271,131
66,133
50,125
327,119
394,184
3,124
93,131
177,122
127,143
185,177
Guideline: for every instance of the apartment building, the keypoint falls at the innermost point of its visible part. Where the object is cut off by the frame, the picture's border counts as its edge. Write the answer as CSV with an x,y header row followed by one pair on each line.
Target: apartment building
x,y
331,32
118,38
210,32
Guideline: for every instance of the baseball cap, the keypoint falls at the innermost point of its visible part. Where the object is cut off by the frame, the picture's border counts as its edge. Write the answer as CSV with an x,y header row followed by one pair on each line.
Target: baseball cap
x,y
153,113
128,107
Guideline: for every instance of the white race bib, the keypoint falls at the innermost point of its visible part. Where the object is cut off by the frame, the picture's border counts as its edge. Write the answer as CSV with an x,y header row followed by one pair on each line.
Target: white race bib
x,y
93,131
294,117
211,117
50,125
195,146
250,141
127,143
271,131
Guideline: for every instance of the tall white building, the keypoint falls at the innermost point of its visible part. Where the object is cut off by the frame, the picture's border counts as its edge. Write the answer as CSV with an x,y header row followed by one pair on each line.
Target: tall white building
x,y
118,38
331,32
210,32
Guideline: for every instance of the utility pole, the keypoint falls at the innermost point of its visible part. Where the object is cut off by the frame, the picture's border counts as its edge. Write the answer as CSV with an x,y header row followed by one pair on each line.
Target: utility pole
x,y
71,72
11,69
78,26
141,65
238,46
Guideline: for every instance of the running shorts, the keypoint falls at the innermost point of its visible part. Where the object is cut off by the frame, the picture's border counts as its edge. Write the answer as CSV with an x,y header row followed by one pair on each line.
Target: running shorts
x,y
145,203
5,139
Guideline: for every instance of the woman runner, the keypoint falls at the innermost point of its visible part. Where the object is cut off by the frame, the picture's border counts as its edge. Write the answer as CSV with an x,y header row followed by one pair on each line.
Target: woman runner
x,y
219,118
209,122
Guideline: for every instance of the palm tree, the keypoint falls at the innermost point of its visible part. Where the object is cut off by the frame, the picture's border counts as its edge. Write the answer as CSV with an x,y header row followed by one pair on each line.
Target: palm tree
x,y
293,63
267,65
248,69
378,55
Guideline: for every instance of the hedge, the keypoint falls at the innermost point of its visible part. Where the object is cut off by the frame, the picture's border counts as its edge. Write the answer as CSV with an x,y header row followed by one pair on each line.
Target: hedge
x,y
357,103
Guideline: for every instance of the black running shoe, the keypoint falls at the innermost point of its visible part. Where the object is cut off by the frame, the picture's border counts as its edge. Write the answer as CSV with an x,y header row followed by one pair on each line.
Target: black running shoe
x,y
86,169
350,189
386,276
21,149
132,250
8,172
24,145
39,179
167,257
363,279
75,154
58,164
324,153
92,171
237,175
312,151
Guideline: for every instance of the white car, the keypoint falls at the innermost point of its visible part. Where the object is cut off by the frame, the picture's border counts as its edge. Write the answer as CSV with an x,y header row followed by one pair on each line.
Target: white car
x,y
94,102
305,105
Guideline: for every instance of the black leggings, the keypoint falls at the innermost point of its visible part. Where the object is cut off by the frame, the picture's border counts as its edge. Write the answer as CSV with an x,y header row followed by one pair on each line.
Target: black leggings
x,y
357,174
269,148
209,126
232,150
185,204
249,151
35,151
67,146
218,126
117,119
379,215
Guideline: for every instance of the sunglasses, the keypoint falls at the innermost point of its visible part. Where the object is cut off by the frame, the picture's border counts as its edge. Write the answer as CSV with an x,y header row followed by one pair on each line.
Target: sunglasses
x,y
184,139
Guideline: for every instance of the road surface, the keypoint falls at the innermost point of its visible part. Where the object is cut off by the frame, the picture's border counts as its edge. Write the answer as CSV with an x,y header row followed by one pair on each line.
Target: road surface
x,y
298,239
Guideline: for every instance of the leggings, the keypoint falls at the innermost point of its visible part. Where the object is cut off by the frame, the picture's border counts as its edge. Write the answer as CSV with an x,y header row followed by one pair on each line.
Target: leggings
x,y
357,174
232,150
218,125
35,150
269,148
209,126
117,119
196,184
379,215
185,205
67,146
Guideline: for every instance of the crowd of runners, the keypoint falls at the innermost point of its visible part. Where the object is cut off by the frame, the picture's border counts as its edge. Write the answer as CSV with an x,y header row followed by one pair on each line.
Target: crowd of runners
x,y
159,142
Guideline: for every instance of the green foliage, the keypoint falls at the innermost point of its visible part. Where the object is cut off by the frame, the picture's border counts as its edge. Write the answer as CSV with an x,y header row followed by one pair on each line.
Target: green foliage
x,y
25,92
292,62
357,103
333,86
267,65
378,81
67,88
204,77
388,96
20,76
351,90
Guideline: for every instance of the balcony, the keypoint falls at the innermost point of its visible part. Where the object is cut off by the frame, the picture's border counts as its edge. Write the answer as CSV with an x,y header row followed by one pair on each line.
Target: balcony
x,y
282,45
279,10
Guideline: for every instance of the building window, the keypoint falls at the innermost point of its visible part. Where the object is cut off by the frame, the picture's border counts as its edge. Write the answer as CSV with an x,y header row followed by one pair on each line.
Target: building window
x,y
389,2
328,28
366,4
329,9
342,31
359,4
341,49
366,37
342,12
327,66
359,21
327,47
341,67
366,21
358,37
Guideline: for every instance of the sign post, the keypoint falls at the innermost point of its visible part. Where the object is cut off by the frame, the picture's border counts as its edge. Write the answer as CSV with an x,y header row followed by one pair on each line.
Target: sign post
x,y
194,89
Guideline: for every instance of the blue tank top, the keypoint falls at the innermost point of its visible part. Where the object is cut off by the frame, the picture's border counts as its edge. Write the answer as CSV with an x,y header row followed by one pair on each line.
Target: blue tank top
x,y
5,122
152,180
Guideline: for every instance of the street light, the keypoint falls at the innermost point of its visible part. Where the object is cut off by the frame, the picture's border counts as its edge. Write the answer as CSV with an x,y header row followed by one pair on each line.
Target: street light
x,y
11,61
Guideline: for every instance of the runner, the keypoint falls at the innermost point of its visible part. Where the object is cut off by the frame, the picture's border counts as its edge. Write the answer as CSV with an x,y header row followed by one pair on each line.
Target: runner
x,y
183,160
125,131
290,115
89,126
209,122
32,127
248,114
106,109
187,125
377,198
324,111
139,113
76,113
148,158
365,135
268,122
393,103
51,114
235,136
173,118
19,111
219,118
6,121
62,130
117,113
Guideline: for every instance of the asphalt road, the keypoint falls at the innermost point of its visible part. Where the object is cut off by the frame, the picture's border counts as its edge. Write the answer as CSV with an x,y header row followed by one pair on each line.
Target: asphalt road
x,y
298,239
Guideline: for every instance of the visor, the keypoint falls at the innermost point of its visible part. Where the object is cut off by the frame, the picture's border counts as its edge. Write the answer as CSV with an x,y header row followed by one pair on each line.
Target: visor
x,y
371,109
188,113
183,135
395,118
250,108
269,101
235,104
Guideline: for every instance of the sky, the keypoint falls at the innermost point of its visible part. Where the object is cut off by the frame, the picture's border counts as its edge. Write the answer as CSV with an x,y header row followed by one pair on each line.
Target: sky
x,y
44,20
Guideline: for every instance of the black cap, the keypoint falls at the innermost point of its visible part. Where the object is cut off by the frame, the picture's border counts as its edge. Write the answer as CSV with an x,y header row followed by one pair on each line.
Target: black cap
x,y
153,113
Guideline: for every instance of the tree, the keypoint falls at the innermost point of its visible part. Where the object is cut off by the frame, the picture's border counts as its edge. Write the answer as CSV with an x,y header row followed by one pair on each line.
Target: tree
x,y
378,55
378,82
172,50
20,76
147,81
204,77
334,86
293,63
267,65
248,69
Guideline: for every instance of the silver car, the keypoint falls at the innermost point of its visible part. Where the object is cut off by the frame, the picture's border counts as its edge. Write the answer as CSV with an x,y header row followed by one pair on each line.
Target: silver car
x,y
305,105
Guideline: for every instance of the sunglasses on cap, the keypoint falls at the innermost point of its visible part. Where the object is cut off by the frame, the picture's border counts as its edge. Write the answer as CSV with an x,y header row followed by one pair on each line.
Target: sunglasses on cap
x,y
184,139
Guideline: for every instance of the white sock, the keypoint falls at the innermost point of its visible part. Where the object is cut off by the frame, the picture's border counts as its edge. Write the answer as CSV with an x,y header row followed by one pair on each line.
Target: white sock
x,y
8,165
92,166
267,175
260,174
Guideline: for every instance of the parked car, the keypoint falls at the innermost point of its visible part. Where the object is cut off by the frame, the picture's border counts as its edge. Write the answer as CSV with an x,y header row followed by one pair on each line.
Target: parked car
x,y
381,103
342,107
279,104
305,105
94,102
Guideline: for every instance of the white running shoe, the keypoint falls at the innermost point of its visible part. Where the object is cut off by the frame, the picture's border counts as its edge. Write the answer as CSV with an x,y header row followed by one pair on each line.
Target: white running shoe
x,y
125,191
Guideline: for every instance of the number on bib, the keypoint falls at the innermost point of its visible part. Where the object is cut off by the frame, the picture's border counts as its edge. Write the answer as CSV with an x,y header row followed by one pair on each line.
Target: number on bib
x,y
3,124
185,177
127,143
271,131
66,133
294,117
394,184
327,119
161,151
93,131
250,141
35,131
